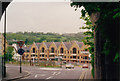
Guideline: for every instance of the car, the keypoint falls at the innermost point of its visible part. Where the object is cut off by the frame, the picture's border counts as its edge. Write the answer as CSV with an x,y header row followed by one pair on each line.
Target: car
x,y
80,66
64,62
85,66
69,66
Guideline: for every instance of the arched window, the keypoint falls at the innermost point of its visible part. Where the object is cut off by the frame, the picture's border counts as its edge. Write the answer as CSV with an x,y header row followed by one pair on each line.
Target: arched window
x,y
68,52
43,49
33,50
28,51
52,50
74,50
61,50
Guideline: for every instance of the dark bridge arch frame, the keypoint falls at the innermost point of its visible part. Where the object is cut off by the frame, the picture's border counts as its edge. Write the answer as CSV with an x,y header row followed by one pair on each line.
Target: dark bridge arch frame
x,y
3,5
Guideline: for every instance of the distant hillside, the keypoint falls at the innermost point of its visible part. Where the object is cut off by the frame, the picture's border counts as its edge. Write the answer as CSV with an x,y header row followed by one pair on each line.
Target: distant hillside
x,y
79,35
30,37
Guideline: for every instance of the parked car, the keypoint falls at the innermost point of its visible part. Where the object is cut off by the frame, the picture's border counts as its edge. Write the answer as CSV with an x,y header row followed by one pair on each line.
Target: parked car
x,y
80,66
85,66
69,66
64,62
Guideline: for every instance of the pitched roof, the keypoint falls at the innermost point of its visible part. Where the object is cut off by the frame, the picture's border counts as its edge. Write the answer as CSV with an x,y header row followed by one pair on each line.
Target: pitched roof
x,y
57,44
67,44
25,48
38,44
29,47
48,44
80,44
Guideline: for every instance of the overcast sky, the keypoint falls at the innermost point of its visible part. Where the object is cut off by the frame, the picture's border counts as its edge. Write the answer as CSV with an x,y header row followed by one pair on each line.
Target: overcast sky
x,y
57,17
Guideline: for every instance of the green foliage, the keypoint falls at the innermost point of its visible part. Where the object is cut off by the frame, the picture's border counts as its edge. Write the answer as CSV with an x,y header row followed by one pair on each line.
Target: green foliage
x,y
89,39
107,47
117,56
9,54
108,25
30,37
83,12
117,15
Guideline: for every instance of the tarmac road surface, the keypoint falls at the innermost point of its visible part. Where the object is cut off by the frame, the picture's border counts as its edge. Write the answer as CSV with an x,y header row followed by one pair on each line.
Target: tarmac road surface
x,y
51,74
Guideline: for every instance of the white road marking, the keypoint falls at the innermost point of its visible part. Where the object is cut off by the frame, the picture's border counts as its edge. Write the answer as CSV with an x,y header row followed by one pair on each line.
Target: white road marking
x,y
50,69
36,75
43,75
58,73
39,74
49,77
54,73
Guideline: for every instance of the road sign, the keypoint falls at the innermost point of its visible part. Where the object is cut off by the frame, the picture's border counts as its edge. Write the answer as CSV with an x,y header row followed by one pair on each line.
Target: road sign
x,y
20,43
21,51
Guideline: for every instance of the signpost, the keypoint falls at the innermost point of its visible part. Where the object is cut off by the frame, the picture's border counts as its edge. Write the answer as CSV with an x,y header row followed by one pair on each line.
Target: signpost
x,y
21,52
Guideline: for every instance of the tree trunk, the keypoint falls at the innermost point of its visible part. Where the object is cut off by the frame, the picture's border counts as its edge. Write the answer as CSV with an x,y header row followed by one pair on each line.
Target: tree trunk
x,y
97,46
97,59
104,66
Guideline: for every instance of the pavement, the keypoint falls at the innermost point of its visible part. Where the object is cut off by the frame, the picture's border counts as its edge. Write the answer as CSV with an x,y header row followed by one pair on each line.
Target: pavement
x,y
51,74
14,74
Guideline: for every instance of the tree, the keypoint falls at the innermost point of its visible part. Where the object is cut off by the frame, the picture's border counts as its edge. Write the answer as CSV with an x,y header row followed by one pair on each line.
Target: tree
x,y
89,39
26,41
106,37
9,53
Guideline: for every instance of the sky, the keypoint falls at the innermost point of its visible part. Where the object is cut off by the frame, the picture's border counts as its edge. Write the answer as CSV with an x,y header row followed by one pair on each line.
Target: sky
x,y
57,17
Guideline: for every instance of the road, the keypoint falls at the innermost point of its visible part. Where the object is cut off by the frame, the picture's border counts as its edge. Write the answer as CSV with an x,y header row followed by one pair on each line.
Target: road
x,y
51,73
